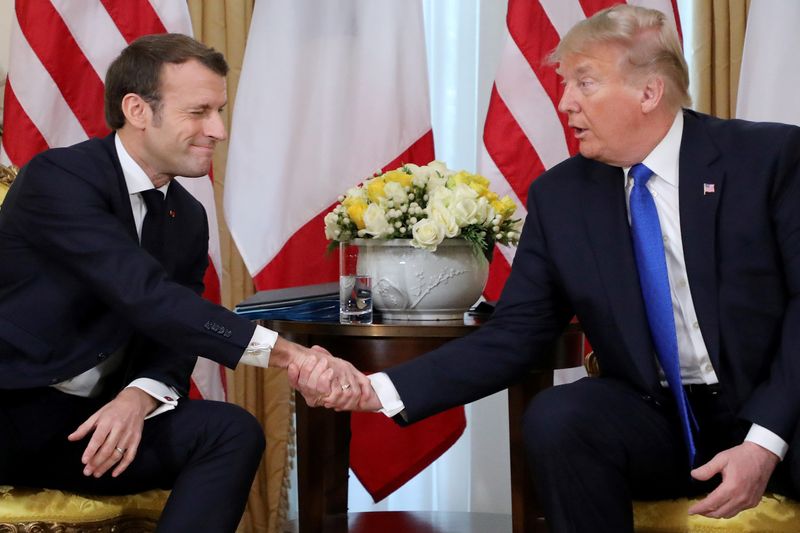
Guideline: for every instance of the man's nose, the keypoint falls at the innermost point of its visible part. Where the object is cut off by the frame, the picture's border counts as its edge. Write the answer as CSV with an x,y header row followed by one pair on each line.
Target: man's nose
x,y
215,127
567,102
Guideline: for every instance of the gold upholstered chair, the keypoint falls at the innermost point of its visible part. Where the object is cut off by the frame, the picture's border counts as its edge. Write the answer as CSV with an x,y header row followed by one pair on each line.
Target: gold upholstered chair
x,y
44,510
54,511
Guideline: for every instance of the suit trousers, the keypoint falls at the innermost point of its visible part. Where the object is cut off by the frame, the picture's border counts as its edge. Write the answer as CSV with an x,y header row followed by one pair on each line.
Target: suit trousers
x,y
206,452
597,444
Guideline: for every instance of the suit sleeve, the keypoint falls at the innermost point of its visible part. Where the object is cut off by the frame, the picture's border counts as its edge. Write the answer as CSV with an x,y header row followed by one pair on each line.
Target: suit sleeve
x,y
530,315
64,210
775,402
159,362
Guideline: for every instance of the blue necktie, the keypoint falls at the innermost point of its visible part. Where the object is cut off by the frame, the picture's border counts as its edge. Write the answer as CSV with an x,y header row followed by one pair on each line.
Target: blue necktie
x,y
648,246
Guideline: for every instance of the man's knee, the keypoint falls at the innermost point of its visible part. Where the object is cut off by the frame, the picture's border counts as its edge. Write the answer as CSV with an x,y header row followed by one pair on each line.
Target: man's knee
x,y
228,424
240,425
552,420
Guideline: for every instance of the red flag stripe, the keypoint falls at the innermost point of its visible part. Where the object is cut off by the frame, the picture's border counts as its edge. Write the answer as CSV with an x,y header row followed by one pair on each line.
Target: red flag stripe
x,y
535,46
24,140
53,44
134,18
499,269
510,149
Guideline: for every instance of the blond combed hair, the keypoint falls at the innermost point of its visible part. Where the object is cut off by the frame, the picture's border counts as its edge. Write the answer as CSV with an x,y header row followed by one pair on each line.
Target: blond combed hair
x,y
649,39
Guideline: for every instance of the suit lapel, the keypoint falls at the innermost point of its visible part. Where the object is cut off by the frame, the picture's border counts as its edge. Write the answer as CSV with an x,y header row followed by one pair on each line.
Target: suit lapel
x,y
606,221
701,184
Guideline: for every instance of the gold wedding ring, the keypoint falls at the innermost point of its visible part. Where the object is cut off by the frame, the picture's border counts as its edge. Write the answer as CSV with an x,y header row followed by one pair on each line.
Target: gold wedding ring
x,y
345,386
120,450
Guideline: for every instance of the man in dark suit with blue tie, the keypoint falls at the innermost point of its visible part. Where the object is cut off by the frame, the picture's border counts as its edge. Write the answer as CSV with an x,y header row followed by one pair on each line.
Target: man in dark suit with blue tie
x,y
102,257
674,237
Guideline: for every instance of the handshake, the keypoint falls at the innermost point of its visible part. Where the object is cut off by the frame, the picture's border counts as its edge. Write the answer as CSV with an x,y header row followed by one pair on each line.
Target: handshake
x,y
327,381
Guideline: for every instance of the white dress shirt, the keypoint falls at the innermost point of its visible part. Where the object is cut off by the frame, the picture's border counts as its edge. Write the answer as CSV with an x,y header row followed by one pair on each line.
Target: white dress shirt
x,y
89,383
696,367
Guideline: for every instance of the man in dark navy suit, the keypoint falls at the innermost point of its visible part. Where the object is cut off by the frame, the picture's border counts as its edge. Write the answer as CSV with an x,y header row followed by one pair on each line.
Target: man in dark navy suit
x,y
102,257
713,403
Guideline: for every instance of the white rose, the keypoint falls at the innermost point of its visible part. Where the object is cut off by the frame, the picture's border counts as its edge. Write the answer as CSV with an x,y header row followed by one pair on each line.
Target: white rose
x,y
462,190
444,217
427,234
375,222
440,195
395,192
436,182
485,212
356,192
465,211
332,228
441,168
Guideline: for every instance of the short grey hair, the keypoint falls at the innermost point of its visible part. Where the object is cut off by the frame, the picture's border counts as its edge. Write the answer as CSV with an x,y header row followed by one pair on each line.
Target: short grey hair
x,y
649,38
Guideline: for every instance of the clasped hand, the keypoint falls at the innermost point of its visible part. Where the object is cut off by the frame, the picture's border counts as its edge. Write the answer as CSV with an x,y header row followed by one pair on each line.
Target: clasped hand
x,y
327,381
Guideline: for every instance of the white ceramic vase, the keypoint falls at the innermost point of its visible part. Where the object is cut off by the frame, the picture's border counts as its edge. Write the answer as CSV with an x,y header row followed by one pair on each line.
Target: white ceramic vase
x,y
415,284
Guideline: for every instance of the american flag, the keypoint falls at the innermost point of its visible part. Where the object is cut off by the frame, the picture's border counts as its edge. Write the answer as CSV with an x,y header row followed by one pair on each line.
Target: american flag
x,y
60,51
524,133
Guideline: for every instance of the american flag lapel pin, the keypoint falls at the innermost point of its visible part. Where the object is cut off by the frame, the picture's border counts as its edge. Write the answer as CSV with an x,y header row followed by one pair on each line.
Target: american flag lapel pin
x,y
708,188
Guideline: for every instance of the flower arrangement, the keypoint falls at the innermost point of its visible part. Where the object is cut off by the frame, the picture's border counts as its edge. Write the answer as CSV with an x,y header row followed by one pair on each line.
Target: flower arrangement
x,y
426,204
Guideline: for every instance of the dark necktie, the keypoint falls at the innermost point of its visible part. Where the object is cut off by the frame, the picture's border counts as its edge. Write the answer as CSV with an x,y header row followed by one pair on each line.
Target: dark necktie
x,y
648,246
153,224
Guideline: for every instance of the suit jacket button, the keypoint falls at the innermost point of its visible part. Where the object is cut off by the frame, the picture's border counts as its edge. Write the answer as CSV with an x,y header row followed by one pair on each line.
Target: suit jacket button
x,y
102,355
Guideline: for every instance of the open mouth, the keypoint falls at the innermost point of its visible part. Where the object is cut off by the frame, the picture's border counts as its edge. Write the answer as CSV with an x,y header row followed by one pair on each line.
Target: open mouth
x,y
579,132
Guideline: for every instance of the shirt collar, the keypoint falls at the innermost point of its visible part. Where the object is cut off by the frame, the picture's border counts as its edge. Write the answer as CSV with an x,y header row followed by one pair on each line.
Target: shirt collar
x,y
665,157
136,179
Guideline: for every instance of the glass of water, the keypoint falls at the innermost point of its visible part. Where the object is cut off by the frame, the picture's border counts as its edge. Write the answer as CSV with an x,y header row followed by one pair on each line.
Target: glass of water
x,y
355,288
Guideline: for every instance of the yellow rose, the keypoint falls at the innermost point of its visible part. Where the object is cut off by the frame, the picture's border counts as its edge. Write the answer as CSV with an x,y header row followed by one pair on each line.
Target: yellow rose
x,y
398,176
356,212
375,189
504,207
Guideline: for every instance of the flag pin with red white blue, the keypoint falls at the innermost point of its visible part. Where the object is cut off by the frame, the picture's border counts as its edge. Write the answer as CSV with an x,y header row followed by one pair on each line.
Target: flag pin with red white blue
x,y
708,188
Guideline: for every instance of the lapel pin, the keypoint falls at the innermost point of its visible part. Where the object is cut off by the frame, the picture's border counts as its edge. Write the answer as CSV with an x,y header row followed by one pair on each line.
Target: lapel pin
x,y
171,213
708,188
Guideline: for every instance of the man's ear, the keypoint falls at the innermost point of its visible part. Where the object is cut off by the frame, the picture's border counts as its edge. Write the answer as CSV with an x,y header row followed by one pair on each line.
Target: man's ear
x,y
137,112
652,93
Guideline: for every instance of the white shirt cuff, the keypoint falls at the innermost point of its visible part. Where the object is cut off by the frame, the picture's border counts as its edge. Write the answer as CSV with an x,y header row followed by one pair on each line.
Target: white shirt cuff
x,y
387,394
162,392
259,347
768,440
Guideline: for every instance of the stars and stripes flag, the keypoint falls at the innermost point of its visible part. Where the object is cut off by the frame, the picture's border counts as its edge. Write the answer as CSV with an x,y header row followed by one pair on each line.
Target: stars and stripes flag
x,y
524,133
60,51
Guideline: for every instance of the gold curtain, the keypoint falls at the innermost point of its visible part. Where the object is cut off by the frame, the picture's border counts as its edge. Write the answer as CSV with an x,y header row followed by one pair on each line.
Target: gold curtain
x,y
716,54
265,393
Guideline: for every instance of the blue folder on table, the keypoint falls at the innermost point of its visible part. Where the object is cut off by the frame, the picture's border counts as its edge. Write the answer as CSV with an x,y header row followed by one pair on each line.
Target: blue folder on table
x,y
308,303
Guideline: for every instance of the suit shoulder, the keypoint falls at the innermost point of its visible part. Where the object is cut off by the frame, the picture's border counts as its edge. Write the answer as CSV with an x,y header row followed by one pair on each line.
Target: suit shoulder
x,y
85,160
565,175
745,136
